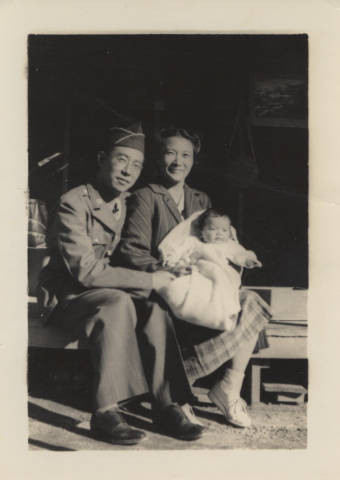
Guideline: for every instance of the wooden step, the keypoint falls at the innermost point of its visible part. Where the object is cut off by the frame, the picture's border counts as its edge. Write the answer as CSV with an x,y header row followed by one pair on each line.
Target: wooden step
x,y
285,393
287,338
48,336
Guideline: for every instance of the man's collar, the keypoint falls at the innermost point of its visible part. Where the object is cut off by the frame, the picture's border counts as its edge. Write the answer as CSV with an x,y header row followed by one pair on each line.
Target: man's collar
x,y
96,198
101,210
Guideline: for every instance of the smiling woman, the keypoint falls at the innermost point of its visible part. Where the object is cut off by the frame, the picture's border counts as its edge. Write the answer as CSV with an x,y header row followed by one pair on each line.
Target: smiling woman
x,y
155,210
177,150
177,159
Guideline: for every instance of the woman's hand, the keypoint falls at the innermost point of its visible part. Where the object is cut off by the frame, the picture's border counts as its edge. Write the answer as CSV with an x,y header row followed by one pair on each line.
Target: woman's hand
x,y
161,279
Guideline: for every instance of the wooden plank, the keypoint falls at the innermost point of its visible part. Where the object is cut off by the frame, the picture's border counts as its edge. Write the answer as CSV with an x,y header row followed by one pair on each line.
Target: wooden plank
x,y
201,394
257,365
286,303
50,336
284,348
35,261
291,398
284,330
284,388
286,393
286,340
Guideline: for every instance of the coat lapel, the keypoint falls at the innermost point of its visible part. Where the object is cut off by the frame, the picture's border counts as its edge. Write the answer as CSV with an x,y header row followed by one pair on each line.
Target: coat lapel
x,y
100,210
191,203
170,203
167,200
189,206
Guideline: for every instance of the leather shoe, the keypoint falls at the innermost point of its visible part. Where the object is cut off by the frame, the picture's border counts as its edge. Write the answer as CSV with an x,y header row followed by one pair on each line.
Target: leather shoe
x,y
172,421
111,427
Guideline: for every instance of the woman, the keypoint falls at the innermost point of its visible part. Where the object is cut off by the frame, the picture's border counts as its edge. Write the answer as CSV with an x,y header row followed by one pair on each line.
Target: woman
x,y
152,212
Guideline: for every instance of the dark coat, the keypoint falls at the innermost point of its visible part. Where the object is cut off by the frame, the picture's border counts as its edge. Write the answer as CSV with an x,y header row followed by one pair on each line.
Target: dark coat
x,y
151,214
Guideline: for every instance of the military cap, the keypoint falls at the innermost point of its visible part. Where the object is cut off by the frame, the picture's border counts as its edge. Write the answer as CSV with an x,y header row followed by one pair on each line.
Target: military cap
x,y
131,136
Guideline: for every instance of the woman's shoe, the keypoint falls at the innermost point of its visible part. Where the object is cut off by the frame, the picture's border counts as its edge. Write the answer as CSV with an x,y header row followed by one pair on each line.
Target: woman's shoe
x,y
234,411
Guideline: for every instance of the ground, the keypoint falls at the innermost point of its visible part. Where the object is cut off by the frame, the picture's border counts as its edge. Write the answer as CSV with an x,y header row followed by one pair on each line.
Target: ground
x,y
59,407
54,426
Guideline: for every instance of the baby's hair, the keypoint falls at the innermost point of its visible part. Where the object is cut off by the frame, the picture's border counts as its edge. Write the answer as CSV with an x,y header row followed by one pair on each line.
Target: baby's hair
x,y
181,132
210,213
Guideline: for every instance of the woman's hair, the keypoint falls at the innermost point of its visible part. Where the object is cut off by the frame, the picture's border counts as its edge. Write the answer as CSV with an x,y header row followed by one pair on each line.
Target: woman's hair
x,y
210,213
180,132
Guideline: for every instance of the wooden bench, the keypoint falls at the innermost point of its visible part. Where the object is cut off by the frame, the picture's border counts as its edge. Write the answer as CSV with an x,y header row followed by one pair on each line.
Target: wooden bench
x,y
286,342
287,332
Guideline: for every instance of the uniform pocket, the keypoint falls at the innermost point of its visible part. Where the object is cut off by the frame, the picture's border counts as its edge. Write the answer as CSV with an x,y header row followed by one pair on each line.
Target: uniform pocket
x,y
100,237
102,243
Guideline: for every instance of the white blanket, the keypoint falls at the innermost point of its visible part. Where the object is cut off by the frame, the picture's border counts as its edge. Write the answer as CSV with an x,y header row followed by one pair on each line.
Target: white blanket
x,y
207,292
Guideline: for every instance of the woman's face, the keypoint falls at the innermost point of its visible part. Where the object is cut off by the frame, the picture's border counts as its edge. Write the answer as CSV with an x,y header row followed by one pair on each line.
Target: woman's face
x,y
177,159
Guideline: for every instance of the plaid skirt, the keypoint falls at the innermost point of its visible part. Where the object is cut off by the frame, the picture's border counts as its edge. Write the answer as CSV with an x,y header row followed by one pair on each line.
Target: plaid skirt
x,y
205,350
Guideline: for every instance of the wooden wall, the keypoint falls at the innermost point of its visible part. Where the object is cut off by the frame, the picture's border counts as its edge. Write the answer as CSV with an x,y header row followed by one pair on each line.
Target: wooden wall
x,y
79,84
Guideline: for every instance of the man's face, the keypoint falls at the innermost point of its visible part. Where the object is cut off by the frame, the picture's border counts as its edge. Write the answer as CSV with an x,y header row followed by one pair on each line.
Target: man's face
x,y
120,169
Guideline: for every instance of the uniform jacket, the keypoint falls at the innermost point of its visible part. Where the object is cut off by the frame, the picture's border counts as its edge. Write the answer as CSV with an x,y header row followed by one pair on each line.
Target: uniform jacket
x,y
84,235
151,214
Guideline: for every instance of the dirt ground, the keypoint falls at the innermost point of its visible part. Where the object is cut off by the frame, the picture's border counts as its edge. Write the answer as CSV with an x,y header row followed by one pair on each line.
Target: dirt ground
x,y
54,426
59,408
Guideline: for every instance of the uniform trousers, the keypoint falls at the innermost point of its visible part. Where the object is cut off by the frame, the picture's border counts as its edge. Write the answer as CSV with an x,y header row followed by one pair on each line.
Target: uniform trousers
x,y
133,346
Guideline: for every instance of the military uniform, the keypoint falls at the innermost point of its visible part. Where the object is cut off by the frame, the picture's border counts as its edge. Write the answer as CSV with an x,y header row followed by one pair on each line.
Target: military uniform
x,y
99,303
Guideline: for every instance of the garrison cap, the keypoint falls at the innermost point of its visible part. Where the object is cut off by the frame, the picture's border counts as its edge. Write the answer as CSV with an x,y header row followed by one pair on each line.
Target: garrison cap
x,y
131,136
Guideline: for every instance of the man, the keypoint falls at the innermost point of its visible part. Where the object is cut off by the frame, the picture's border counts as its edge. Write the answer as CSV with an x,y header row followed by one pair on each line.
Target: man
x,y
95,300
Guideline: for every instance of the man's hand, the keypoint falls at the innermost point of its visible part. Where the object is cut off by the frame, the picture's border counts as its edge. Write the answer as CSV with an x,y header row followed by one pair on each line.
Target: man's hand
x,y
161,279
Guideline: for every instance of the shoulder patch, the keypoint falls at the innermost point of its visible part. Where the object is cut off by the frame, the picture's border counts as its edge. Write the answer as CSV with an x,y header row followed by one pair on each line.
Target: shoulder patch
x,y
74,193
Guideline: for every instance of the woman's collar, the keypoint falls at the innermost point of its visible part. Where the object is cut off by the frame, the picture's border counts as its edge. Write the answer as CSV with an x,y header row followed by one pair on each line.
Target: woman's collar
x,y
160,189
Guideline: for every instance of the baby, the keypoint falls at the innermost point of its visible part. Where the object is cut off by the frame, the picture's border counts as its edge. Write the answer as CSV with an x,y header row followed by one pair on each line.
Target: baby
x,y
201,251
215,228
214,240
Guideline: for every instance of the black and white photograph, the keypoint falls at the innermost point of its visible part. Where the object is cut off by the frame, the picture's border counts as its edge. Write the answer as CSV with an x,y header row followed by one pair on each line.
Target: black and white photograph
x,y
167,241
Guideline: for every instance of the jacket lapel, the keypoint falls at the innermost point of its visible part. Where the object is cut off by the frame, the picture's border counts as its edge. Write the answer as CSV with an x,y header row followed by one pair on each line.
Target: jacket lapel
x,y
189,206
100,210
168,201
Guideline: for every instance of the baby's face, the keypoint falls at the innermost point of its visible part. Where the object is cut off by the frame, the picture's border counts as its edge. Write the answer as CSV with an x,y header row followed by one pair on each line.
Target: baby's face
x,y
216,230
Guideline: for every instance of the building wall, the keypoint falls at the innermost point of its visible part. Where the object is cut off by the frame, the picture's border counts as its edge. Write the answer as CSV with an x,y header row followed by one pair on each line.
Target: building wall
x,y
79,85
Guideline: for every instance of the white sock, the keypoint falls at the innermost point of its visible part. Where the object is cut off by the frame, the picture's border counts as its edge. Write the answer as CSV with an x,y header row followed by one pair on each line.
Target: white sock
x,y
231,383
